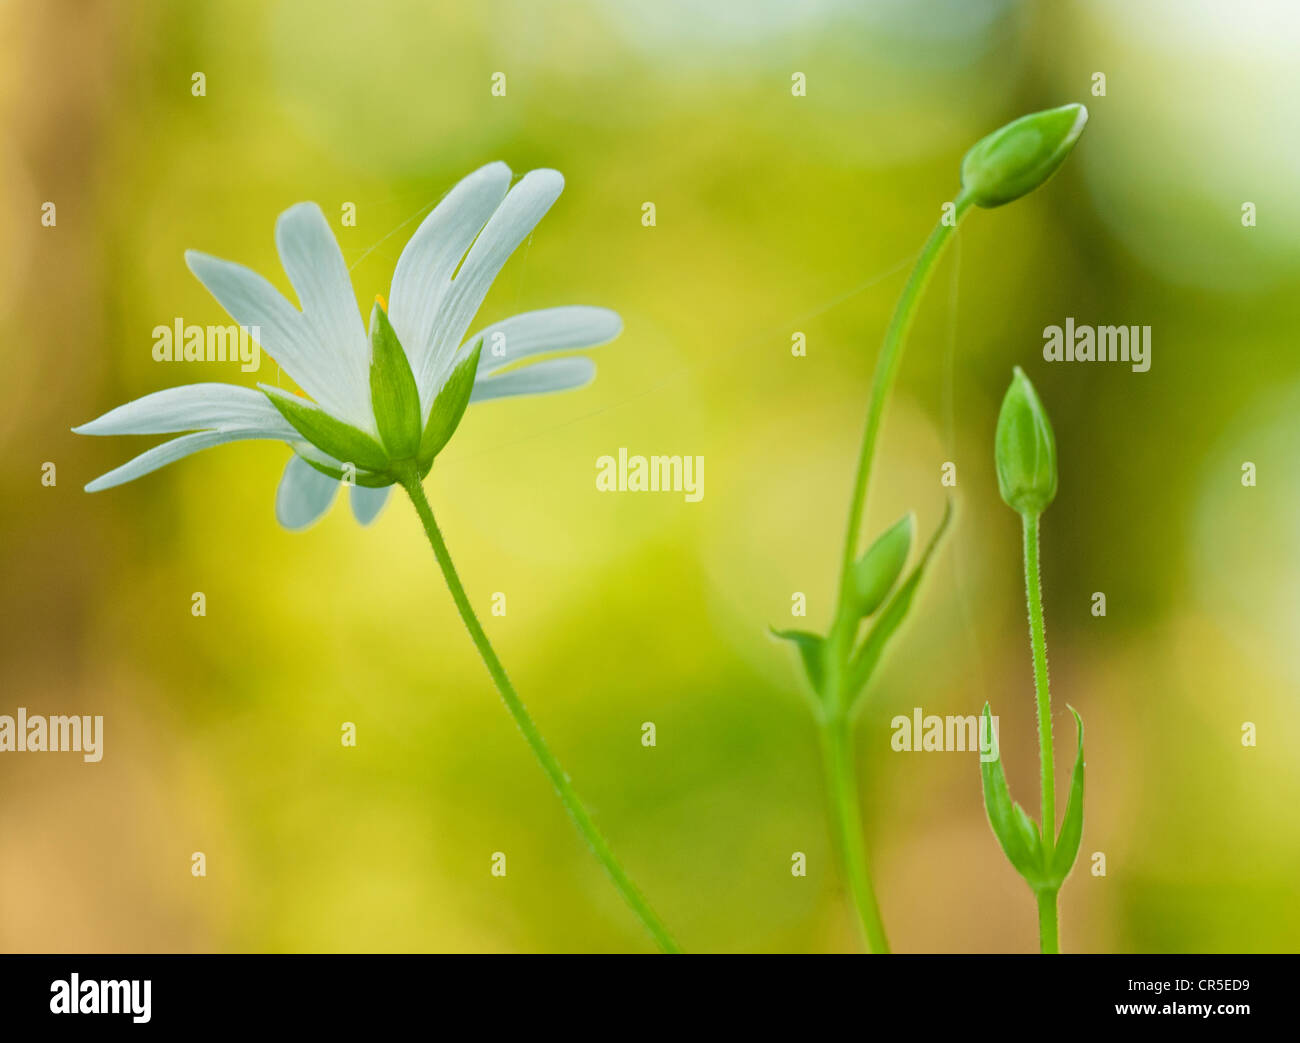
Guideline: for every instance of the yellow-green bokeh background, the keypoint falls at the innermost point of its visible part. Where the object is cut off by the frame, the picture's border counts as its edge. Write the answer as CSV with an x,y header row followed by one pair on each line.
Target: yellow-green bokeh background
x,y
775,214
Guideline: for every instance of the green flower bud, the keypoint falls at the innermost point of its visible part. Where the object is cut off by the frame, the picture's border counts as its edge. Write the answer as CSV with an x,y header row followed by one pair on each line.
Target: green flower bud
x,y
1025,449
1015,159
876,572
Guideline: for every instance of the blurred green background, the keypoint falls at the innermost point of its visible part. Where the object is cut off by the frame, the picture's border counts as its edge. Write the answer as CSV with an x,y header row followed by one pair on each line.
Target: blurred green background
x,y
775,214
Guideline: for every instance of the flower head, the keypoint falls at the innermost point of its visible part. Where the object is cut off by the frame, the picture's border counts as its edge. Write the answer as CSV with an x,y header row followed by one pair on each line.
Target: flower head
x,y
1025,449
381,405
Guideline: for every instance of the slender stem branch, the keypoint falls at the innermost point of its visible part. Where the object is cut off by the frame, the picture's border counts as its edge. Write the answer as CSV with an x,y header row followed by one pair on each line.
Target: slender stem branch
x,y
1048,940
837,726
891,353
1038,642
559,778
847,817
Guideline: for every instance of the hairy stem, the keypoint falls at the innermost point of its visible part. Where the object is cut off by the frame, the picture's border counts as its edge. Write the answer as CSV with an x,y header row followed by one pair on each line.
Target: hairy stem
x,y
1038,642
559,778
1047,916
847,817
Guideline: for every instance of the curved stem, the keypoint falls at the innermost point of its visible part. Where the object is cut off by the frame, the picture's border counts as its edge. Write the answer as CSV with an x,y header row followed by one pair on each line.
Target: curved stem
x,y
1038,642
891,352
559,778
836,727
840,775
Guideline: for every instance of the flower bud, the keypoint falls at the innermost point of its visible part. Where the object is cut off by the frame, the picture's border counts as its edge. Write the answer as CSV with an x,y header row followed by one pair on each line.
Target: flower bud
x,y
1015,159
876,572
1025,449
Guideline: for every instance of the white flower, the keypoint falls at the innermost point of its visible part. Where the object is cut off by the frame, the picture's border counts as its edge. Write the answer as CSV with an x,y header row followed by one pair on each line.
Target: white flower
x,y
324,347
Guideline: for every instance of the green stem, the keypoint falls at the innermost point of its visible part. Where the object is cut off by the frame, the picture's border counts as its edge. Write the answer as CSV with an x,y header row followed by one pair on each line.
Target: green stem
x,y
1038,641
836,728
891,352
1047,915
840,775
1048,941
559,778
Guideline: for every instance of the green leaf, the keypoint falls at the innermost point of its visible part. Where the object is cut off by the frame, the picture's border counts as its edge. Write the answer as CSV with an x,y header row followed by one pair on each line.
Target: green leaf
x,y
332,437
891,617
449,407
1067,842
393,392
1014,829
876,572
812,648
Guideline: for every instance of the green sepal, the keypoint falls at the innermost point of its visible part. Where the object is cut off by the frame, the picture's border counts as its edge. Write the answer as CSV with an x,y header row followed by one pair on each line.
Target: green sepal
x,y
332,437
1067,841
875,573
812,649
393,391
1015,830
449,407
367,479
891,616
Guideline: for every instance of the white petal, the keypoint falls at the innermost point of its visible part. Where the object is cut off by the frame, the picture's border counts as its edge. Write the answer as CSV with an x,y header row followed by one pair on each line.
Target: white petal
x,y
191,407
311,257
423,273
170,452
537,379
304,494
551,329
512,223
253,302
367,503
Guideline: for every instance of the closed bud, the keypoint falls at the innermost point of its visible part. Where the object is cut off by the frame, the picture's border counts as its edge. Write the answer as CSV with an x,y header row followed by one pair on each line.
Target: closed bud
x,y
1025,449
1015,159
876,572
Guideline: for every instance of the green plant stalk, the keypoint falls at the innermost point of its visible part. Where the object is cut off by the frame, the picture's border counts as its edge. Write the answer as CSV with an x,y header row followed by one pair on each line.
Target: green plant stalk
x,y
891,353
842,779
1047,929
836,726
559,778
1038,642
1048,939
